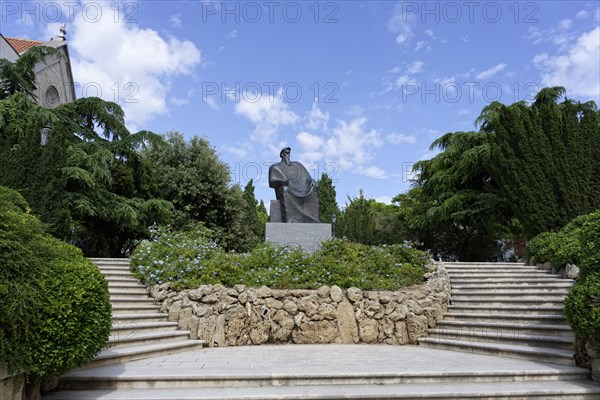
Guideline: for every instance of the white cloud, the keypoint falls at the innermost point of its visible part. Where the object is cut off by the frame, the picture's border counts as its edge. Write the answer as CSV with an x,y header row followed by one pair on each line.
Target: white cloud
x,y
399,138
312,147
352,144
176,21
565,24
309,141
232,35
372,172
463,111
488,73
402,24
415,68
317,119
577,69
238,151
212,103
268,113
355,111
124,63
429,32
582,14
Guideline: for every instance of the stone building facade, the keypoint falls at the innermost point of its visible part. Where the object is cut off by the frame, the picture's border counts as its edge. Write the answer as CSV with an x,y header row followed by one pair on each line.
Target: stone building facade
x,y
54,79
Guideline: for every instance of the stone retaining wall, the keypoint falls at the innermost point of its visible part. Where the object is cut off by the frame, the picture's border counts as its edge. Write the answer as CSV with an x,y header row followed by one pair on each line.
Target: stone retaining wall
x,y
243,315
11,386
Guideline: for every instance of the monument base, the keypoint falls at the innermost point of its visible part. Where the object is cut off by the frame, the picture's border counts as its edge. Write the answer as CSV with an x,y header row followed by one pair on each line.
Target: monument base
x,y
308,236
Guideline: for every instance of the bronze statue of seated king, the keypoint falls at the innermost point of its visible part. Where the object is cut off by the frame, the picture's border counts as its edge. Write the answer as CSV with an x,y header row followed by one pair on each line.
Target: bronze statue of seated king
x,y
296,192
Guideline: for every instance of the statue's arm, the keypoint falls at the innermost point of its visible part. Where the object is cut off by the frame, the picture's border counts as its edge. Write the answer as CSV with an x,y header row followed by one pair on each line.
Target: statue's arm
x,y
277,178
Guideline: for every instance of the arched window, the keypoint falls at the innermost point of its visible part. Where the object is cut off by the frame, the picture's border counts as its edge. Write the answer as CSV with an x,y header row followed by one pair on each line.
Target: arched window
x,y
51,98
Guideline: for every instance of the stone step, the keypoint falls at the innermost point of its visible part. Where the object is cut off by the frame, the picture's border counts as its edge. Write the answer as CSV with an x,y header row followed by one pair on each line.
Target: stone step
x,y
515,328
117,274
512,285
131,353
509,298
108,270
497,275
139,317
141,338
493,302
482,264
82,379
122,279
508,318
134,309
118,290
126,285
508,309
108,260
120,299
517,270
522,291
131,296
469,335
456,391
488,280
542,354
133,327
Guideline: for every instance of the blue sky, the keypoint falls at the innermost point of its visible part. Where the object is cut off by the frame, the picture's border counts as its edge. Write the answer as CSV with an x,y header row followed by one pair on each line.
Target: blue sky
x,y
357,89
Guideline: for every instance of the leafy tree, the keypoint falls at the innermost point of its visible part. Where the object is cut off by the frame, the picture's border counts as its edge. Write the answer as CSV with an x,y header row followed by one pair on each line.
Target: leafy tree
x,y
529,169
190,175
464,211
327,199
89,184
357,222
263,215
543,158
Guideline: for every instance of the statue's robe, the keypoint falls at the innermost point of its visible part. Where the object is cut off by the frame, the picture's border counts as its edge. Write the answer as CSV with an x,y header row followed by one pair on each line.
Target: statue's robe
x,y
296,192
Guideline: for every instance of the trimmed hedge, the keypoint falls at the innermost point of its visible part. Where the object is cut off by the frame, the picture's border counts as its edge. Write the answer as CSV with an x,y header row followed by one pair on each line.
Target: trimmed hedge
x,y
55,312
577,243
582,307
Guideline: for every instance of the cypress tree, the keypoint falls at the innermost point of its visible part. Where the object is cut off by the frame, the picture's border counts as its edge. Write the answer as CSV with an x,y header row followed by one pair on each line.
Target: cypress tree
x,y
327,199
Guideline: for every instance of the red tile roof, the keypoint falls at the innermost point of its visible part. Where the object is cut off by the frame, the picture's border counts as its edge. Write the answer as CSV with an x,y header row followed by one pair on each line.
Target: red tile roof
x,y
22,45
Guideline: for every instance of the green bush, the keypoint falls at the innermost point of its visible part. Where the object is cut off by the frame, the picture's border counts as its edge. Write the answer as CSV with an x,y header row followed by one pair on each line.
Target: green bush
x,y
540,247
55,311
582,307
589,239
188,260
579,243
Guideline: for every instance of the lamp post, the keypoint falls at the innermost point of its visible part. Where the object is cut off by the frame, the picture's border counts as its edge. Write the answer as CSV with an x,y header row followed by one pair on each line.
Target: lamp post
x,y
333,221
44,134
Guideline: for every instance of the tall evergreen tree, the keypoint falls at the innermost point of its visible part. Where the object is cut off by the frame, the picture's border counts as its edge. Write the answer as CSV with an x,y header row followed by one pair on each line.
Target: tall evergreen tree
x,y
544,158
357,222
327,199
251,218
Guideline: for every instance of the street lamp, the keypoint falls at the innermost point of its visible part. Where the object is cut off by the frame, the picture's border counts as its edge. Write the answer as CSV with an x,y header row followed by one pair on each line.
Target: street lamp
x,y
45,133
333,220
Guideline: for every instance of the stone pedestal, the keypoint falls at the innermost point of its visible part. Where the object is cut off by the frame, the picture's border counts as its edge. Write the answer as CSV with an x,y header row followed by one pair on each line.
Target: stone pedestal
x,y
308,236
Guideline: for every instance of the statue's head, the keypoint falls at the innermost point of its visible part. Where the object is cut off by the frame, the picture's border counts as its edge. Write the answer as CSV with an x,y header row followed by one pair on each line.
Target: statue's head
x,y
286,151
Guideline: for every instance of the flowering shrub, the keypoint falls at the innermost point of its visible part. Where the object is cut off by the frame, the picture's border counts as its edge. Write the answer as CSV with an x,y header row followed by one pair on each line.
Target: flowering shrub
x,y
189,260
